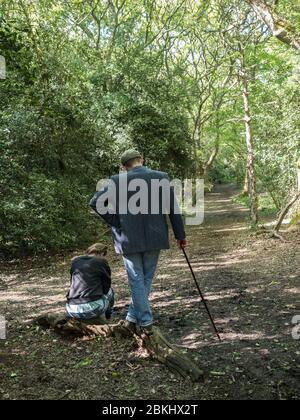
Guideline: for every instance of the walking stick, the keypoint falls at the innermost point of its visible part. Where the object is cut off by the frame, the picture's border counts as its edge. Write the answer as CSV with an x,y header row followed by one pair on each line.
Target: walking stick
x,y
200,293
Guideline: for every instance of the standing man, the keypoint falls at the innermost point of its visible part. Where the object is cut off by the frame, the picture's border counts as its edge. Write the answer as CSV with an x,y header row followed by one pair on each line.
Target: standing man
x,y
140,236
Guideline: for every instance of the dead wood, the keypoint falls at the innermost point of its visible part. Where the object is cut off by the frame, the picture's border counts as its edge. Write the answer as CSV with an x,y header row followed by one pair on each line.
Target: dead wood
x,y
155,343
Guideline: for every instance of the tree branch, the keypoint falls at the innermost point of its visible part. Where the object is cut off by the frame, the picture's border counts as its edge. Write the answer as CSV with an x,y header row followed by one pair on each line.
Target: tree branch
x,y
280,28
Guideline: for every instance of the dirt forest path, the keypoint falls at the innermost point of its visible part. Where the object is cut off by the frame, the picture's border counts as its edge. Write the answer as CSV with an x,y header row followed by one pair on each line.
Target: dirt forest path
x,y
252,287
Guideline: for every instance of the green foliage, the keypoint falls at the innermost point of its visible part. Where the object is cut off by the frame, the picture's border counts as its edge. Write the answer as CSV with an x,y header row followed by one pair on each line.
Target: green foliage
x,y
86,80
45,214
242,199
296,217
266,204
225,172
163,138
274,100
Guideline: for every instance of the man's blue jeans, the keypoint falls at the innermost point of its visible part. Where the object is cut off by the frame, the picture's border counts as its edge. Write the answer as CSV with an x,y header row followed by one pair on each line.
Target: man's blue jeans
x,y
141,268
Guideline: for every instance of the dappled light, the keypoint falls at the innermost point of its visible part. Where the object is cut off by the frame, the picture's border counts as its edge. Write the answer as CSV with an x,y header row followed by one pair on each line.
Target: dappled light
x,y
104,296
252,302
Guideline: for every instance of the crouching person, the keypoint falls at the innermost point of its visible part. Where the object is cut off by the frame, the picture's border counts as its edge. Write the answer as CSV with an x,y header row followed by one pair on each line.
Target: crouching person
x,y
90,296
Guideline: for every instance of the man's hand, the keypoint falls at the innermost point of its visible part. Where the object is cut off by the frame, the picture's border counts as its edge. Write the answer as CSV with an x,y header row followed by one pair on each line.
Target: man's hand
x,y
182,243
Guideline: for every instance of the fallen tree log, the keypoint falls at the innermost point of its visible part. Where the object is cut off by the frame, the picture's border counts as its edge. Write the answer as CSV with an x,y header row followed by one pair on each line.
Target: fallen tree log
x,y
155,343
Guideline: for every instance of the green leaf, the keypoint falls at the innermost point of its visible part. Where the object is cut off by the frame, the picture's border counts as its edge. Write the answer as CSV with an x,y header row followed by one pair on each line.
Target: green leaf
x,y
274,283
85,362
216,373
115,374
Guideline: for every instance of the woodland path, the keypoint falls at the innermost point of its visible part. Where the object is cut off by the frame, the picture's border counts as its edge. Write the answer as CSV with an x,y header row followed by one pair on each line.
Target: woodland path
x,y
252,286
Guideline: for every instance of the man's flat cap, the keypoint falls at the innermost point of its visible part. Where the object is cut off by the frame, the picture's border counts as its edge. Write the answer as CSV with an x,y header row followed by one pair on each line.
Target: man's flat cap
x,y
129,155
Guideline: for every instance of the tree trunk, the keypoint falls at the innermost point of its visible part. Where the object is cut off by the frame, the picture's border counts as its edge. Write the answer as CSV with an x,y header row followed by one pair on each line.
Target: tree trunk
x,y
285,212
197,145
279,27
216,150
155,343
246,185
252,183
298,174
211,160
289,205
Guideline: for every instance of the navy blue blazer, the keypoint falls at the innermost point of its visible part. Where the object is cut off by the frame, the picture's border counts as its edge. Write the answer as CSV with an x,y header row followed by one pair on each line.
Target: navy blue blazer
x,y
133,233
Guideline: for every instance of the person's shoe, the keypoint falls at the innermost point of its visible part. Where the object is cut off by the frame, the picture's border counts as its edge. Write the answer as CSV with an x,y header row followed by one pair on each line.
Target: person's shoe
x,y
148,330
131,326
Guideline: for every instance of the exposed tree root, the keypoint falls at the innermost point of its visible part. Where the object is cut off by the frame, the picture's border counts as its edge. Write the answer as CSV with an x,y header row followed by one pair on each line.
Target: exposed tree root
x,y
155,343
275,235
271,234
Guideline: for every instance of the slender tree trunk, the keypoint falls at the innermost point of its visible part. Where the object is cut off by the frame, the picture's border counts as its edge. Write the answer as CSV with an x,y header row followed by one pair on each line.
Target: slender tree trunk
x,y
212,158
216,149
286,209
279,27
197,145
252,183
285,212
246,184
298,174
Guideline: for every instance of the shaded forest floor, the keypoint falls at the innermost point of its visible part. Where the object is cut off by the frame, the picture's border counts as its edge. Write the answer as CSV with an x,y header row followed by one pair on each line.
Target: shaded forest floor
x,y
252,285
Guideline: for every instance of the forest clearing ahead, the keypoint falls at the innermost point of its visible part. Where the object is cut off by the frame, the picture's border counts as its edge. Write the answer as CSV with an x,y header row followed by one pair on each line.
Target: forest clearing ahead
x,y
251,284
